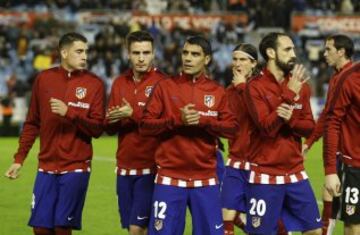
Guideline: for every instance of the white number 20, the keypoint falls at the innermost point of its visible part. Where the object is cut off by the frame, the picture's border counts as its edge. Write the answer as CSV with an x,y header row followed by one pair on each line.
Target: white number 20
x,y
257,207
160,209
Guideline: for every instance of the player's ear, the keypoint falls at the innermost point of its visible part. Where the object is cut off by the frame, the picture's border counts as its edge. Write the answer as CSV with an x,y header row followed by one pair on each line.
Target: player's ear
x,y
270,52
64,53
207,59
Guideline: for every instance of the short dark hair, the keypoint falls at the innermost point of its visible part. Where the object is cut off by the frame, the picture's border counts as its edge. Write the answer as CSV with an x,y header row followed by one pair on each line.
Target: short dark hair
x,y
201,42
248,48
69,38
270,41
139,36
342,41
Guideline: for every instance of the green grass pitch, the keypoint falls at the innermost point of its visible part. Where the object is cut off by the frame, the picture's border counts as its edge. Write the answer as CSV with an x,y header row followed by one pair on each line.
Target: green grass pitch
x,y
100,215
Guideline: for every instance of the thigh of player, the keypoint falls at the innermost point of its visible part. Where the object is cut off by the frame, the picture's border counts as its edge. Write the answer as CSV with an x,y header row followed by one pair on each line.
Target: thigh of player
x,y
300,212
142,199
233,189
205,208
264,205
71,198
350,204
44,199
168,210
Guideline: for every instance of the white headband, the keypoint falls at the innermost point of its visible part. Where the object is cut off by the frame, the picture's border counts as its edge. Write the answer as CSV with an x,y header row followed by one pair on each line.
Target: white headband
x,y
246,54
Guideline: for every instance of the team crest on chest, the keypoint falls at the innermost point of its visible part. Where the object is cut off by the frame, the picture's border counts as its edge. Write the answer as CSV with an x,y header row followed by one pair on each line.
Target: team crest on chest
x,y
209,100
148,91
158,224
80,92
350,209
255,221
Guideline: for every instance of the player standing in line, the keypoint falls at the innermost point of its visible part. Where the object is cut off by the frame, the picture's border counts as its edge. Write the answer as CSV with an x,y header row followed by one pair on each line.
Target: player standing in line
x,y
188,113
338,52
66,110
279,104
341,142
244,62
135,155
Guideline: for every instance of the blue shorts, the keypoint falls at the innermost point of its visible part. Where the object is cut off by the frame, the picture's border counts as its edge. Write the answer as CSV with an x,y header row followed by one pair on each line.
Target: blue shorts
x,y
58,200
294,203
169,210
233,189
134,199
220,167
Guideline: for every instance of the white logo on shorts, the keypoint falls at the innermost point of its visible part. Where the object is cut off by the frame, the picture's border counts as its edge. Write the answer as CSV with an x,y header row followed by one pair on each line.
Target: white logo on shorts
x,y
318,219
69,218
142,218
218,226
350,209
256,221
158,224
33,202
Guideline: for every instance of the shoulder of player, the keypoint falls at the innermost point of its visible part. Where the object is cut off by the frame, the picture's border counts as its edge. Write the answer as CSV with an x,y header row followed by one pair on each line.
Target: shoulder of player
x,y
93,78
158,74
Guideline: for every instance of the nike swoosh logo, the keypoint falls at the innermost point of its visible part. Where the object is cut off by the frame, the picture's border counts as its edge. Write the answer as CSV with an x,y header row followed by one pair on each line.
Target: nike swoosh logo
x,y
70,218
218,226
318,219
142,218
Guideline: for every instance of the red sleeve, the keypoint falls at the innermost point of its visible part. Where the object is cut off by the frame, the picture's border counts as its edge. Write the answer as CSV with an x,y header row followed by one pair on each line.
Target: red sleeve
x,y
114,100
31,126
225,125
92,123
302,121
337,112
267,120
318,132
153,122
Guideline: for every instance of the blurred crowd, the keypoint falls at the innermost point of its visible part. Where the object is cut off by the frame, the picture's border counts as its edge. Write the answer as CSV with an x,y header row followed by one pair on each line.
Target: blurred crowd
x,y
26,50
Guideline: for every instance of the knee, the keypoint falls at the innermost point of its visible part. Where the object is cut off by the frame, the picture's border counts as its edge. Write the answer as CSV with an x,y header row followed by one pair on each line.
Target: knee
x,y
352,229
137,230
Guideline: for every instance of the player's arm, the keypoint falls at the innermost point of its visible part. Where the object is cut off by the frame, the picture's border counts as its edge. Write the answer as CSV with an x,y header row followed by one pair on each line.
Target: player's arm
x,y
120,115
302,122
153,121
90,124
318,131
225,124
336,113
29,133
268,121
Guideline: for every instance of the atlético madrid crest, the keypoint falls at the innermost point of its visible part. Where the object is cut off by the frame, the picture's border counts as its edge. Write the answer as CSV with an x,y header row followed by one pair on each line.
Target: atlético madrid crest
x,y
350,209
148,91
209,100
80,92
255,221
158,224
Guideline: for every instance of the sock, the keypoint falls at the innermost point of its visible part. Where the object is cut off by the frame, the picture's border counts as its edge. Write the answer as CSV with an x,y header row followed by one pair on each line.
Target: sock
x,y
326,216
43,231
238,222
228,227
63,231
281,228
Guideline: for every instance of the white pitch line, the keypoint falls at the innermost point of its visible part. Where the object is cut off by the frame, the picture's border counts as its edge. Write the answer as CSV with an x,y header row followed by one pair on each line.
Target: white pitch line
x,y
104,159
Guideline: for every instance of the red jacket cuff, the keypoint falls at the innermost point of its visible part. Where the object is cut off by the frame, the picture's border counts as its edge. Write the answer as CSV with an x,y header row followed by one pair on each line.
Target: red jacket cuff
x,y
288,95
19,159
330,170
